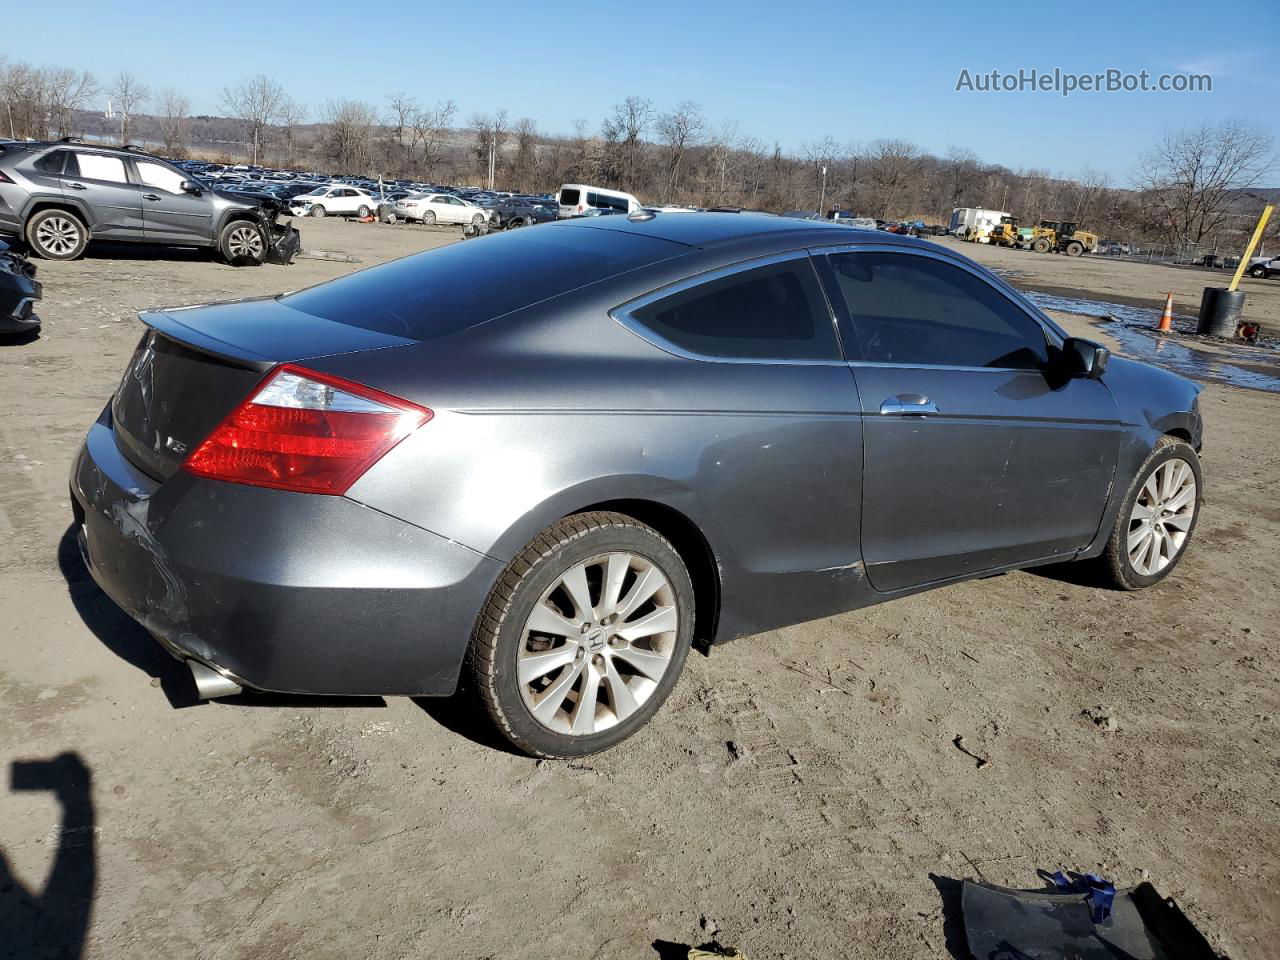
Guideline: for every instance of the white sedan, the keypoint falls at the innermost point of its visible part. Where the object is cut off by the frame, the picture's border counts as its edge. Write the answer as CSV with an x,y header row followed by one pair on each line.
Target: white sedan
x,y
337,198
440,208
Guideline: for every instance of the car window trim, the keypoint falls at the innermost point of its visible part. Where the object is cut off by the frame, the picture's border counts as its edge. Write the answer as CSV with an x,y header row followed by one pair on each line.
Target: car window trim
x,y
624,314
1054,335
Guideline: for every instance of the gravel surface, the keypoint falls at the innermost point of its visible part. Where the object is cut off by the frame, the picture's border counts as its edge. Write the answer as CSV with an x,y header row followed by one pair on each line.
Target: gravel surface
x,y
812,792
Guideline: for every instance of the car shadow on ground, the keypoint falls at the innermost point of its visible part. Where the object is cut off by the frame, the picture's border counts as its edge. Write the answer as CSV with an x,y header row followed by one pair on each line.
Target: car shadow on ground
x,y
464,714
19,339
53,922
124,637
1081,574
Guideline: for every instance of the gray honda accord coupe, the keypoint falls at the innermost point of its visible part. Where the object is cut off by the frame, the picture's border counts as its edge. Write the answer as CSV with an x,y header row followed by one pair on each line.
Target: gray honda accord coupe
x,y
545,463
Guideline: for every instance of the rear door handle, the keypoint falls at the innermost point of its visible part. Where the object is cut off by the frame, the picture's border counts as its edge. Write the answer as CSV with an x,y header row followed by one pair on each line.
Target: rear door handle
x,y
75,186
908,405
150,196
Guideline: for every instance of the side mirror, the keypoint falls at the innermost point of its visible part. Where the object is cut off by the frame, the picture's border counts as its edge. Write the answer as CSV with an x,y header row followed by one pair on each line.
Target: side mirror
x,y
1084,358
190,186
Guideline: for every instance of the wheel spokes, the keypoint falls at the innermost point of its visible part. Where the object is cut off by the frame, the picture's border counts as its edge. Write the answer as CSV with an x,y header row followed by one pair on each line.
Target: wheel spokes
x,y
548,704
535,665
594,677
661,620
646,585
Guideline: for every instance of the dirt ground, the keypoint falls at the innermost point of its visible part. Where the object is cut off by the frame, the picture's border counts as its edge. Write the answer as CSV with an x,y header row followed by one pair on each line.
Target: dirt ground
x,y
801,794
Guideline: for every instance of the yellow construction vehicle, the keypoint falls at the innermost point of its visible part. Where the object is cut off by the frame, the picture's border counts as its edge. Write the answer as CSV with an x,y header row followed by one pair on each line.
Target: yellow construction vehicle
x,y
1005,233
1062,236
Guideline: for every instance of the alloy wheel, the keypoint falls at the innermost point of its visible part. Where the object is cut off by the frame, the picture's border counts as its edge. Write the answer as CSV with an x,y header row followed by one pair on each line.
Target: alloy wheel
x,y
1161,517
58,236
597,643
245,241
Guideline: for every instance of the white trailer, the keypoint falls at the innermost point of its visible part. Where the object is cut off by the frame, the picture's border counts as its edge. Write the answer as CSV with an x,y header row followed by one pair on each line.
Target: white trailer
x,y
971,220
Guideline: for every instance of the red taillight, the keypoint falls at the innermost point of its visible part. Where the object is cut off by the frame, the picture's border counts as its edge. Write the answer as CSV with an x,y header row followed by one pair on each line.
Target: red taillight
x,y
305,431
580,208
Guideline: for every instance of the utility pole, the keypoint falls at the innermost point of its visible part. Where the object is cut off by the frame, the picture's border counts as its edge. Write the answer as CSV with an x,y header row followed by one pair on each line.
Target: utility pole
x,y
822,197
493,144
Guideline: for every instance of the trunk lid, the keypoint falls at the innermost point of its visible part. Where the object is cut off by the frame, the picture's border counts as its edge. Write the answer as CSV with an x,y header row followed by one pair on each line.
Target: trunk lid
x,y
195,364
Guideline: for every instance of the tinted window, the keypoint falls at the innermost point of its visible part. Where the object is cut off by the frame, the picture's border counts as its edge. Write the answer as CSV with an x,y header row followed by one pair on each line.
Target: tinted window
x,y
915,309
463,284
776,312
51,162
569,197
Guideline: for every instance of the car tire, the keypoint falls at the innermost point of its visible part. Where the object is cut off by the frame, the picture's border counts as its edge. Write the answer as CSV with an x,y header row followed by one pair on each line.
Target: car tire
x,y
515,222
429,218
241,245
1074,249
1040,245
1146,492
362,211
478,219
57,235
1259,272
317,210
536,703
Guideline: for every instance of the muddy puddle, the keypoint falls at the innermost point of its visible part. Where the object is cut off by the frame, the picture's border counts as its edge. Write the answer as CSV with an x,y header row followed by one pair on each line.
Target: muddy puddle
x,y
1255,367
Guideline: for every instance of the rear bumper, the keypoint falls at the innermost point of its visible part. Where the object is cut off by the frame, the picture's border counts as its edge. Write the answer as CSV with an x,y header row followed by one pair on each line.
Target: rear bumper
x,y
287,592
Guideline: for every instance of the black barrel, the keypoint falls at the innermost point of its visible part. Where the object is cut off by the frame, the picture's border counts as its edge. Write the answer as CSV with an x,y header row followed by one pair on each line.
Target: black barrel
x,y
1220,311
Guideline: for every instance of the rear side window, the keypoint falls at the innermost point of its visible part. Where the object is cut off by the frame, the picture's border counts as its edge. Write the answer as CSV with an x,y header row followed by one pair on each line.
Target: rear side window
x,y
911,309
774,312
569,197
97,166
52,161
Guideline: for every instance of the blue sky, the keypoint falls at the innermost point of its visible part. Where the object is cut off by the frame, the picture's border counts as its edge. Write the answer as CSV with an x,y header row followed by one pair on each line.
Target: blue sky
x,y
793,72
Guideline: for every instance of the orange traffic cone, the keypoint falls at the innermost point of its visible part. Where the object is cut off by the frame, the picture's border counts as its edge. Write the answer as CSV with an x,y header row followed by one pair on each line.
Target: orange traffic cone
x,y
1166,318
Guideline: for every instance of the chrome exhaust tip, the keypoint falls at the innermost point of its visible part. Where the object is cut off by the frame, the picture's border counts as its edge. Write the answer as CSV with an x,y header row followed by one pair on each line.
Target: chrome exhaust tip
x,y
210,684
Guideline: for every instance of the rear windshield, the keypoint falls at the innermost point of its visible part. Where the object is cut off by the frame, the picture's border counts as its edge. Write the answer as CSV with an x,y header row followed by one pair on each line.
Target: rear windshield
x,y
569,197
468,282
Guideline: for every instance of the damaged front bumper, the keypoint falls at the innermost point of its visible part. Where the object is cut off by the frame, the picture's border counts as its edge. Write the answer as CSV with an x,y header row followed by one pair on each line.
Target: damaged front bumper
x,y
288,592
19,293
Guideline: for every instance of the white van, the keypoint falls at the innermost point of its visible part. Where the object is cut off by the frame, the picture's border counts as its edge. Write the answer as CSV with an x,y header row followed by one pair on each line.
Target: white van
x,y
577,198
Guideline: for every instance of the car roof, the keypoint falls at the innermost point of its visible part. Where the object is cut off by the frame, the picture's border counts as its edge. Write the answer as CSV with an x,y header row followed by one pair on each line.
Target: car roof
x,y
708,230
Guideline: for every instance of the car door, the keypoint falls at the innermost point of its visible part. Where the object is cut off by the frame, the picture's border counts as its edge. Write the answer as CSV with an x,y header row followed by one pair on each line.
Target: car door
x,y
979,453
169,214
101,181
449,210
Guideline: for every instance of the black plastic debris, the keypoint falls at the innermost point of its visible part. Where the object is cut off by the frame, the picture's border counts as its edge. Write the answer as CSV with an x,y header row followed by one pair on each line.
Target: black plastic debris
x,y
1139,924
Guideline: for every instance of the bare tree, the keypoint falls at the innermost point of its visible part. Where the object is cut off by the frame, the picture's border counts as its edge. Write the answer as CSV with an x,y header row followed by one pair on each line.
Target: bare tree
x,y
291,116
525,158
679,130
892,166
128,95
491,134
631,118
1191,175
351,124
66,92
256,103
429,124
175,109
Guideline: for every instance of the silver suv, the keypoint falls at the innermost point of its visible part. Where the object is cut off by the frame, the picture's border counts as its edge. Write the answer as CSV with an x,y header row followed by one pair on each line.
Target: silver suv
x,y
59,196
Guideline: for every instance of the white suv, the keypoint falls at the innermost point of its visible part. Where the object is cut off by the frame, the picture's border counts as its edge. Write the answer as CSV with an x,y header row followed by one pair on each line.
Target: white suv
x,y
336,198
